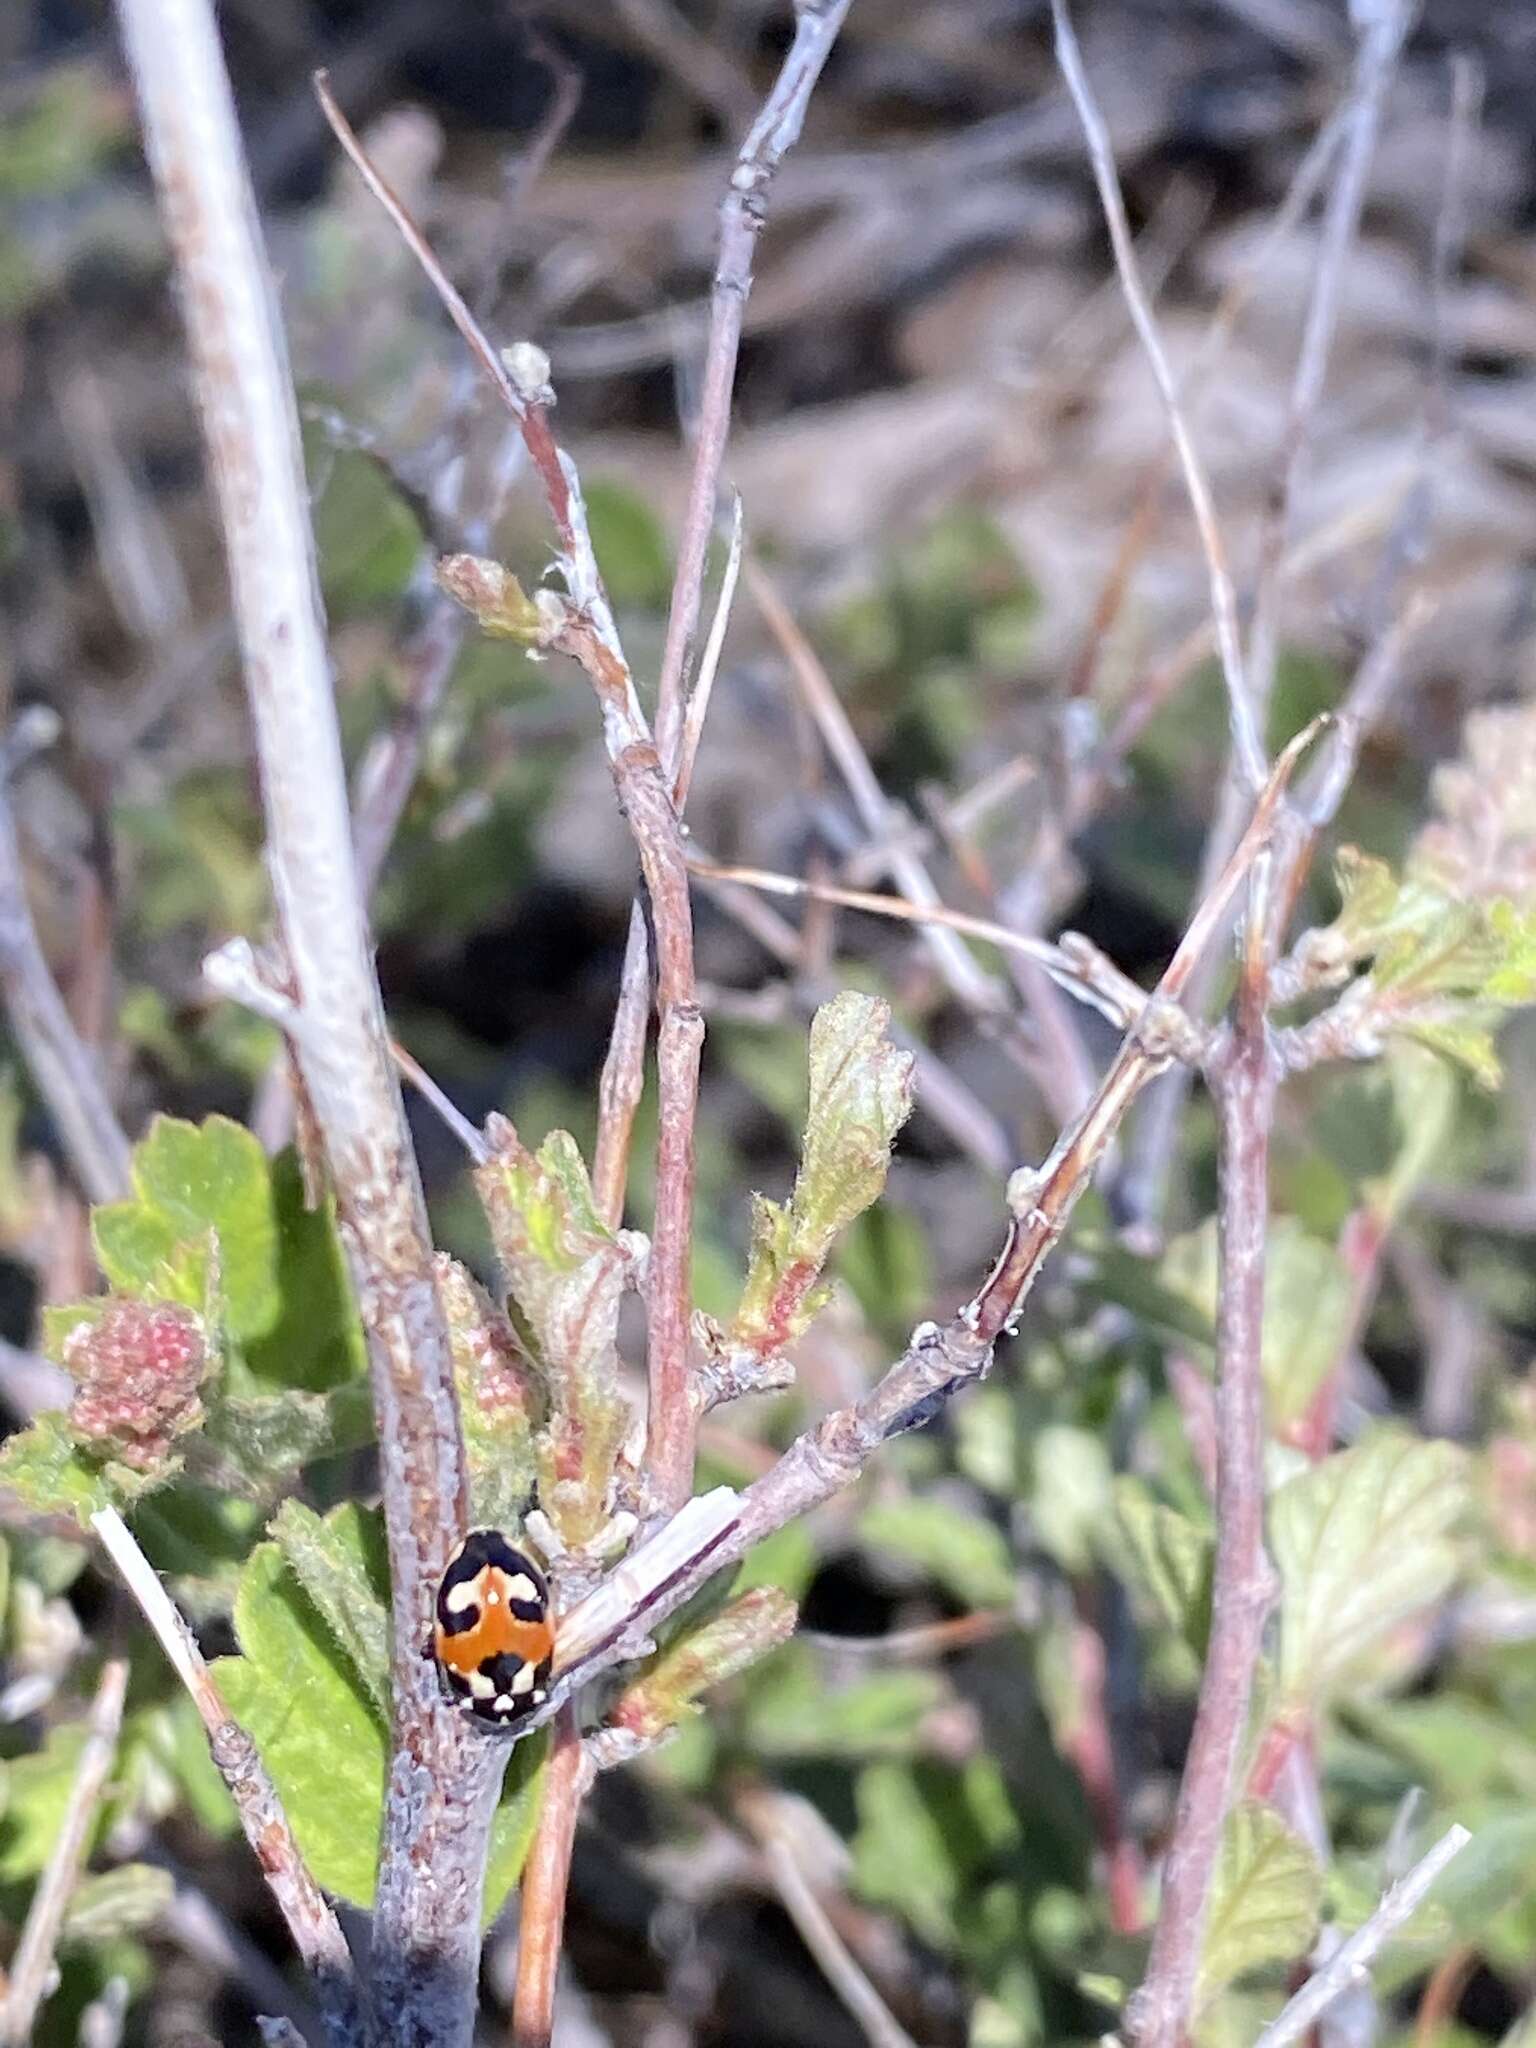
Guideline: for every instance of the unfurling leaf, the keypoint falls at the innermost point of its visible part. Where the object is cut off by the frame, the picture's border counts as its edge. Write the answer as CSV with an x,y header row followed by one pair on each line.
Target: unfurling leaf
x,y
500,605
860,1096
668,1692
46,1468
1436,963
499,1399
1363,1542
566,1272
1264,1900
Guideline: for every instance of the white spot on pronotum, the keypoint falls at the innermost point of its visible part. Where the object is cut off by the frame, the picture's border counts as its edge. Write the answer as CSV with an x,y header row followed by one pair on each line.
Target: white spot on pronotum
x,y
482,1687
460,1598
521,1587
523,1682
503,1703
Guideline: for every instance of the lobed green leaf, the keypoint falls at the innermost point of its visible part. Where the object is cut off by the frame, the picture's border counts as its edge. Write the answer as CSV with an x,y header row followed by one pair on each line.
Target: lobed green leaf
x,y
1363,1542
1265,1900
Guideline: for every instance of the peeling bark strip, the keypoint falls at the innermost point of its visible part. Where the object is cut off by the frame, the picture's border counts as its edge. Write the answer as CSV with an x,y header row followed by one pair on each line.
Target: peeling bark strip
x,y
426,1940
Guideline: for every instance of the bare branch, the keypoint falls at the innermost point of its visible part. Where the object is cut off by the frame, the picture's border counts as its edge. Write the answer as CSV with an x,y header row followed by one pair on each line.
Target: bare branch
x,y
316,1933
64,1070
426,1935
583,628
1349,1964
33,1960
1243,1078
743,211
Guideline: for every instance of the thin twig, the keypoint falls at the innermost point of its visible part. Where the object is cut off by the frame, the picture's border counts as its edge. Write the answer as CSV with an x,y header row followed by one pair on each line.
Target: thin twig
x,y
743,211
33,1960
61,1065
546,1878
758,1807
447,1111
426,1938
1074,966
1382,27
1247,741
963,975
316,1932
1353,1959
678,722
709,664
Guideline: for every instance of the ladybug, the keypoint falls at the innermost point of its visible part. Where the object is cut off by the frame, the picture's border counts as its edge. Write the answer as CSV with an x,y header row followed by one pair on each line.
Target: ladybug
x,y
493,1640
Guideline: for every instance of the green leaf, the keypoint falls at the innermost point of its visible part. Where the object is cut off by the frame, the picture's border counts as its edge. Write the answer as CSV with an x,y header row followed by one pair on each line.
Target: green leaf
x,y
1441,963
1363,1543
342,1563
278,1281
967,1556
903,1858
630,543
127,1900
37,1790
315,1339
263,1437
189,1179
1173,1559
860,1096
317,1732
517,1816
1070,1499
1265,1900
786,1559
926,1833
44,1467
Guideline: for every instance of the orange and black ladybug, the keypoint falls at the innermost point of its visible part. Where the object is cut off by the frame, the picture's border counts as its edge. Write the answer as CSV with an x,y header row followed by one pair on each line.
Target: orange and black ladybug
x,y
493,1640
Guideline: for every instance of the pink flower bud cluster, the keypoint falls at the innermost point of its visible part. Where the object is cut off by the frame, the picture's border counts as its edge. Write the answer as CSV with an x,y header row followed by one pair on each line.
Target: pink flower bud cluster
x,y
137,1369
